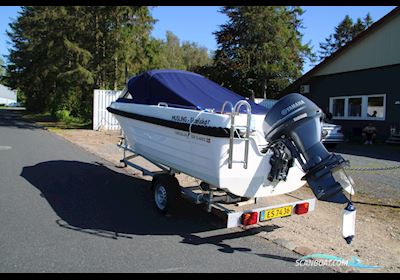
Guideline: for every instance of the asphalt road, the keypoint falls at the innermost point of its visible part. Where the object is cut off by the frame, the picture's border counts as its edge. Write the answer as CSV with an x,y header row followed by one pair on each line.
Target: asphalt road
x,y
63,209
381,184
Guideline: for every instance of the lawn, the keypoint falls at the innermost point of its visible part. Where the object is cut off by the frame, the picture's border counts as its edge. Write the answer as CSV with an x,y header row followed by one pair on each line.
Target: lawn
x,y
11,108
50,122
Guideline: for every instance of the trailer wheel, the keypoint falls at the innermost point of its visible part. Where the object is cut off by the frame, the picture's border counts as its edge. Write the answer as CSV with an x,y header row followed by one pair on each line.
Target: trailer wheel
x,y
166,192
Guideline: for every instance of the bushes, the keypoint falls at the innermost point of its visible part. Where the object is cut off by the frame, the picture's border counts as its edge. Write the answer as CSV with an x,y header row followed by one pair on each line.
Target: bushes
x,y
65,116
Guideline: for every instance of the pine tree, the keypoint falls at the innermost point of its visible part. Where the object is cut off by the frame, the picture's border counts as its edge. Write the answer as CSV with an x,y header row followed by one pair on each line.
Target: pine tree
x,y
60,54
2,68
259,50
345,32
368,20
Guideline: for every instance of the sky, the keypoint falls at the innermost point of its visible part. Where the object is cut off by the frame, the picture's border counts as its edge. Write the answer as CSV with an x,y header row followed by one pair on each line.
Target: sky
x,y
197,23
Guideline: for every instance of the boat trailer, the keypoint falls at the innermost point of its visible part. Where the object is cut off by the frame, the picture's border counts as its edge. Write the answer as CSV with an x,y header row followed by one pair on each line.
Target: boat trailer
x,y
234,210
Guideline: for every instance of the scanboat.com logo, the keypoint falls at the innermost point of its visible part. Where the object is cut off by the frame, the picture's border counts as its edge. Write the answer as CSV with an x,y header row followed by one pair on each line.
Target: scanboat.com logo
x,y
329,260
292,107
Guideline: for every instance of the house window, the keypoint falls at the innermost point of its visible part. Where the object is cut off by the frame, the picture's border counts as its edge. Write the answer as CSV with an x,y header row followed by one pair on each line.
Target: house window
x,y
361,107
376,107
354,107
338,107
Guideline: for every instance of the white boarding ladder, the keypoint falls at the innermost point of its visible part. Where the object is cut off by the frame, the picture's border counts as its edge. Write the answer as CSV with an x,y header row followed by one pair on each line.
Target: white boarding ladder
x,y
235,110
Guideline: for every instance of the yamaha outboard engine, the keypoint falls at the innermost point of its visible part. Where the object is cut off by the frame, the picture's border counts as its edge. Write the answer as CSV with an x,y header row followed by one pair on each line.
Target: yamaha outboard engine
x,y
293,129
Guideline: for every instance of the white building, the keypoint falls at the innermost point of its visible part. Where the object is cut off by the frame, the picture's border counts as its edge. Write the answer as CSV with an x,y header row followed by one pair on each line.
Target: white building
x,y
7,95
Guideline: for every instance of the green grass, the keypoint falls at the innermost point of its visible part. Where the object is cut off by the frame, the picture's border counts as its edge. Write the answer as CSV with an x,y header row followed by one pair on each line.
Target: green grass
x,y
51,122
12,108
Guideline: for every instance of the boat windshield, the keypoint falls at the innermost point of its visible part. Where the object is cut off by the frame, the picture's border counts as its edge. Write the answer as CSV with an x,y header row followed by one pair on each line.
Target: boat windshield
x,y
125,94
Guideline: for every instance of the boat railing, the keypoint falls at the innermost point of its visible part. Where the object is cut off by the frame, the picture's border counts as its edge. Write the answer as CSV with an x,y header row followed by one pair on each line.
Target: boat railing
x,y
225,104
165,104
246,138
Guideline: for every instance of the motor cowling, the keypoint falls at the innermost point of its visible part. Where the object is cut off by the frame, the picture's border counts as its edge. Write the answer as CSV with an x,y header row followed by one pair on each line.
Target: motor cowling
x,y
295,122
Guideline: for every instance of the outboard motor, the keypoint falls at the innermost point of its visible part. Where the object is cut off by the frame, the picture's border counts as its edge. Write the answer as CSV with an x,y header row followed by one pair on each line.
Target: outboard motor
x,y
293,129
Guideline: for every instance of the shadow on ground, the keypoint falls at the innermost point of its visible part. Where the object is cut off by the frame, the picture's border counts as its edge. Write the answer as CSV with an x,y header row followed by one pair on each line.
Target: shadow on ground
x,y
13,118
93,199
377,151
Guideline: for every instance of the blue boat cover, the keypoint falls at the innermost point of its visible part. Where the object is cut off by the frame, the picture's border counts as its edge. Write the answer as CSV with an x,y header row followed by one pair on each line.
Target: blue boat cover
x,y
183,89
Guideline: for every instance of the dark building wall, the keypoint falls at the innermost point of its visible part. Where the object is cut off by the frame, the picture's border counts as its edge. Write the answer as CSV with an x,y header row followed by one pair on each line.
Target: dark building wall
x,y
383,80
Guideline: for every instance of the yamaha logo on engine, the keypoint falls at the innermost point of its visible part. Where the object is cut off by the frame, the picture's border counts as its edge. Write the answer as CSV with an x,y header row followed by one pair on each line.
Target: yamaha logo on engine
x,y
292,107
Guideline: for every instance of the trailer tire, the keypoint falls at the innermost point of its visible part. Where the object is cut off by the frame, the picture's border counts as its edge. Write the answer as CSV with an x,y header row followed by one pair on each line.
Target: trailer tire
x,y
166,192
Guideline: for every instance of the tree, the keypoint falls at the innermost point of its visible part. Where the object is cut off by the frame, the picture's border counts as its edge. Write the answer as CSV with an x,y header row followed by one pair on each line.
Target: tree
x,y
2,68
345,32
173,54
194,56
259,50
60,54
368,21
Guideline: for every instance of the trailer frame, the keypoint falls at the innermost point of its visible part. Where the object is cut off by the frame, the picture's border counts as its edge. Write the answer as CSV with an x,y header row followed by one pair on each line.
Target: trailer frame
x,y
213,198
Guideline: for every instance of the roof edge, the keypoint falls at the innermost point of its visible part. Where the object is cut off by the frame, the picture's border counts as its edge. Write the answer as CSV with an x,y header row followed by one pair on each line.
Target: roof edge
x,y
359,37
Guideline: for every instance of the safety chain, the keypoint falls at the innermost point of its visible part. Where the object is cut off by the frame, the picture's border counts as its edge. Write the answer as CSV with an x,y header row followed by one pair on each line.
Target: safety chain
x,y
372,168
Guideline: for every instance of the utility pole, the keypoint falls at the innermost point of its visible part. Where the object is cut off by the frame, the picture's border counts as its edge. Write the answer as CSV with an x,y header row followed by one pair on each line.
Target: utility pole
x,y
250,82
265,88
252,96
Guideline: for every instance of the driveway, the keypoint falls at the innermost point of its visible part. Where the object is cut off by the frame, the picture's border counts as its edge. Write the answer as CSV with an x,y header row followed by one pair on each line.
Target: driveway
x,y
375,170
63,209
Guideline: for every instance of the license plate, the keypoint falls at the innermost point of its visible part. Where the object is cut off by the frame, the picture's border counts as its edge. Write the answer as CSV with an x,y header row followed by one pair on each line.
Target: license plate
x,y
276,213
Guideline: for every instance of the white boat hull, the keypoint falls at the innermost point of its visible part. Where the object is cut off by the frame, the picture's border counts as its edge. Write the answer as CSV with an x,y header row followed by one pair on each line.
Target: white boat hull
x,y
203,156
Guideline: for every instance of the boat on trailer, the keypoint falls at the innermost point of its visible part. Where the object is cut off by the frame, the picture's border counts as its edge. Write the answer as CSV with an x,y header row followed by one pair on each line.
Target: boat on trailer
x,y
189,124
